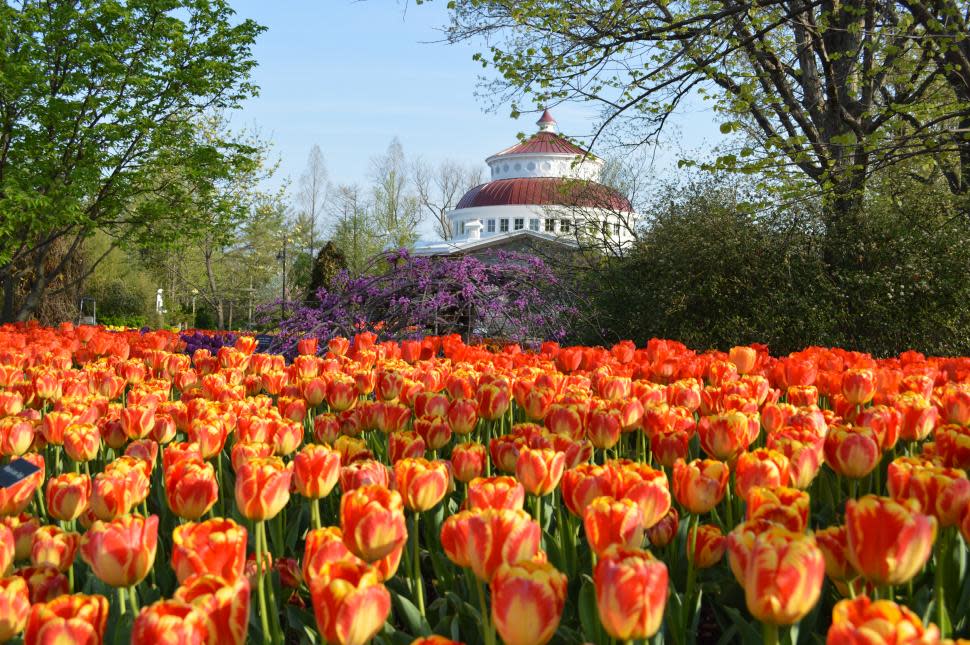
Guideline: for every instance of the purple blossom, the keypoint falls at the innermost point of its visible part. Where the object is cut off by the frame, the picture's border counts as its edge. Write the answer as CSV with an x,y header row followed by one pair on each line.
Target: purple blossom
x,y
504,295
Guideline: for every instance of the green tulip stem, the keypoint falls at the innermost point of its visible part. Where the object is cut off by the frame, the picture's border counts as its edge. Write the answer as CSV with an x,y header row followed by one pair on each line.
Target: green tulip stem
x,y
942,551
261,584
315,513
122,602
487,628
770,633
416,564
135,608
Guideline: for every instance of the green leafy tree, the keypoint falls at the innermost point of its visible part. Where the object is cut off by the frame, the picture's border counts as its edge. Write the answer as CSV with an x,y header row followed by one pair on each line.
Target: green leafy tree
x,y
99,105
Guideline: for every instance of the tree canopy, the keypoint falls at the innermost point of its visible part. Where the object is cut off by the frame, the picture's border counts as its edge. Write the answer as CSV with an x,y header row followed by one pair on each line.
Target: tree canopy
x,y
100,117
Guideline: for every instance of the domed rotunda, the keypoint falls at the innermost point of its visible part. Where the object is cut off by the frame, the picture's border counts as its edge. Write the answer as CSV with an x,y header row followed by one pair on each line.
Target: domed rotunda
x,y
544,189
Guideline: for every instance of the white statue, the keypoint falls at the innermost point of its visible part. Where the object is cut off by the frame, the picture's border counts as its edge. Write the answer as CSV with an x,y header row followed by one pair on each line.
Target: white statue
x,y
159,302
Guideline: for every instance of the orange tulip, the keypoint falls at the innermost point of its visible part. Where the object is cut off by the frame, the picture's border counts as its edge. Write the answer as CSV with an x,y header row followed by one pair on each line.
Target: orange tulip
x,y
784,575
16,544
191,488
953,445
941,492
76,619
858,386
121,552
527,602
169,622
786,506
349,602
603,428
495,492
886,541
44,582
493,401
669,446
584,483
863,622
216,546
468,461
610,522
852,451
434,430
832,542
462,416
700,485
761,467
422,483
646,486
316,469
744,358
138,420
14,607
324,545
663,532
342,393
372,519
483,539
724,436
224,604
404,444
263,488
631,593
16,435
918,417
709,545
540,470
363,473
53,546
68,495
565,420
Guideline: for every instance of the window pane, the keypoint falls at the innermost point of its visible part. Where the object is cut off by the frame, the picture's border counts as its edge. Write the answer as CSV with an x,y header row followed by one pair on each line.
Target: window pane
x,y
564,226
504,225
519,223
550,225
491,226
533,224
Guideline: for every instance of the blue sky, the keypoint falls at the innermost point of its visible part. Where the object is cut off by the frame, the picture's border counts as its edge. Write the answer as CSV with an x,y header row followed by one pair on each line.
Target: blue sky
x,y
349,76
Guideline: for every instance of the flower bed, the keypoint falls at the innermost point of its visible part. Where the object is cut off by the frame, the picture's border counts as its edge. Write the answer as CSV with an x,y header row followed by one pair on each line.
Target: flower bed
x,y
430,491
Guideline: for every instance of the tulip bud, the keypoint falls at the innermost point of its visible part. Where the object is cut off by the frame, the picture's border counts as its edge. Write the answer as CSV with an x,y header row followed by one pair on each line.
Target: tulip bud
x,y
216,547
540,470
372,519
225,604
68,496
73,618
609,522
631,593
861,620
349,602
468,461
422,483
262,488
887,542
700,485
169,622
533,589
316,469
14,607
121,552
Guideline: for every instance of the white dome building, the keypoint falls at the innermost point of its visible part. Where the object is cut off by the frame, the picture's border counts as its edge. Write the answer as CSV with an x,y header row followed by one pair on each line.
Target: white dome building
x,y
542,189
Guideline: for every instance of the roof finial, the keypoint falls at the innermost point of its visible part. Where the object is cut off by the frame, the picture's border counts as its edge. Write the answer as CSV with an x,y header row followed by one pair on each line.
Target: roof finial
x,y
546,123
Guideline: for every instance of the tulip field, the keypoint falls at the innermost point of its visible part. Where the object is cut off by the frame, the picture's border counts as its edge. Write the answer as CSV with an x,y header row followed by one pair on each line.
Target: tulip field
x,y
430,491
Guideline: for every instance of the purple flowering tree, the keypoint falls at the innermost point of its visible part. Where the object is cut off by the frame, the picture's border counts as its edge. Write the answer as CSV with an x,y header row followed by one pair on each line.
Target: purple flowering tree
x,y
511,296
